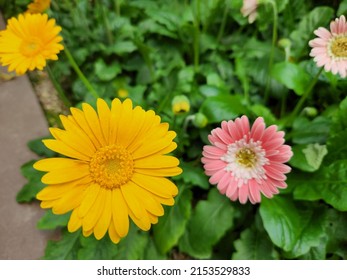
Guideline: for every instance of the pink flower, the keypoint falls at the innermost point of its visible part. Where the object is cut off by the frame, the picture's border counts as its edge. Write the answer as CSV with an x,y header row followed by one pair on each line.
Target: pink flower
x,y
245,162
330,48
249,9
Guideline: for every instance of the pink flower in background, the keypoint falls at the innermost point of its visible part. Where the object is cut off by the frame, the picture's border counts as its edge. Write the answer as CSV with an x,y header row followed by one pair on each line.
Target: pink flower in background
x,y
249,9
330,48
244,161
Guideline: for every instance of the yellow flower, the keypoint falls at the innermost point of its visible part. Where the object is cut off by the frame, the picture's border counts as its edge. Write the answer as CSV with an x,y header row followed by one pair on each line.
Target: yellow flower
x,y
38,6
28,42
122,93
180,104
115,168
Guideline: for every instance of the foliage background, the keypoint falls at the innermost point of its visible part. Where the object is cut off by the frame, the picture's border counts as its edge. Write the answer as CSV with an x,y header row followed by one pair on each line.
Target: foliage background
x,y
206,50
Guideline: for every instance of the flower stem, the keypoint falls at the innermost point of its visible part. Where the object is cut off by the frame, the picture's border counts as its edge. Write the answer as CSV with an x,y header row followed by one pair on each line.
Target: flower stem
x,y
79,73
58,87
274,40
197,36
222,26
306,94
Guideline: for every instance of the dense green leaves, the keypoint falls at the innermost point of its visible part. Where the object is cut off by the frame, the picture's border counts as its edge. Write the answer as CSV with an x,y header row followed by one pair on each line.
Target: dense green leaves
x,y
329,184
308,157
34,184
219,108
172,225
292,76
210,220
52,221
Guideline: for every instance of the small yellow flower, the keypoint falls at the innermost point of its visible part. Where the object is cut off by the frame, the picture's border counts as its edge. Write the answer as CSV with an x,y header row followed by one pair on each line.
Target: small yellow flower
x,y
180,104
38,6
28,41
115,167
122,93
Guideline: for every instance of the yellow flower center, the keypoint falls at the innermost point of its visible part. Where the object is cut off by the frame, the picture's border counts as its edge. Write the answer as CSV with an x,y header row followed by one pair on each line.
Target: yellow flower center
x,y
31,46
111,166
246,157
338,47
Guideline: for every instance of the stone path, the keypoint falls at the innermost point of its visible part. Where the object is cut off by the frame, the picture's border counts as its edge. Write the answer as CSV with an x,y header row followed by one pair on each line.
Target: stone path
x,y
21,120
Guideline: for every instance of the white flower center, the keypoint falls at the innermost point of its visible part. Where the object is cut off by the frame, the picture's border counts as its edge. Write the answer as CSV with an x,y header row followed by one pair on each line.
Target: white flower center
x,y
245,160
337,47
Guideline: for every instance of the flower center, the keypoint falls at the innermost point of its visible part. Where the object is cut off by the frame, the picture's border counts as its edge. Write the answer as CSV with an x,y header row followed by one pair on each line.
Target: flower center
x,y
245,160
31,46
338,47
111,166
246,157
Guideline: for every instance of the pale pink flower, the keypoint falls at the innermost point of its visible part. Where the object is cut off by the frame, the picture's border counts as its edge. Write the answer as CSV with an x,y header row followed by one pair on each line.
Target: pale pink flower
x,y
249,9
244,161
330,48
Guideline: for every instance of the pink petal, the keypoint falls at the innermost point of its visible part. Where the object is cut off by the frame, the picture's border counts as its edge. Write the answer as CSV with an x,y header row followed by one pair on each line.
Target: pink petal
x,y
323,33
258,129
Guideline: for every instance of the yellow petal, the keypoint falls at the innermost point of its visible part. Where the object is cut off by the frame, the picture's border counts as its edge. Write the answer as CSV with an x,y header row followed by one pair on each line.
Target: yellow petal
x,y
128,191
165,201
144,223
103,223
69,200
62,148
156,161
88,200
149,203
49,164
75,221
87,233
152,218
80,119
120,213
93,122
104,117
113,234
116,112
72,127
47,204
159,186
94,213
152,146
160,172
66,174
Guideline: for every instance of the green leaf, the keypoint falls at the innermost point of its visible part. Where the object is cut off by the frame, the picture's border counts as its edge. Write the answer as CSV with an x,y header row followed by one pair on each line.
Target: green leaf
x,y
106,72
308,157
329,184
173,224
93,249
254,245
336,228
282,221
208,90
262,111
209,222
39,148
194,174
34,185
121,48
306,131
152,253
319,16
312,234
342,10
64,249
132,247
52,221
219,108
292,76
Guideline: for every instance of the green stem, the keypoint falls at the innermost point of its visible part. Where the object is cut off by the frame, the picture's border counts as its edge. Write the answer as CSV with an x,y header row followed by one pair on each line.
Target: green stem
x,y
79,73
274,40
306,94
197,36
222,26
117,6
106,23
58,87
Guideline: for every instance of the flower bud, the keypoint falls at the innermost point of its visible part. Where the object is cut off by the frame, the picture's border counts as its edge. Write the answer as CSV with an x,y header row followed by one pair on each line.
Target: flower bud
x,y
200,120
180,104
122,93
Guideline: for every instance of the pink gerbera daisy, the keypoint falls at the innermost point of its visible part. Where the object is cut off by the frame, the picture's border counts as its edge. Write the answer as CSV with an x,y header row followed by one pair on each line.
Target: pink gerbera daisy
x,y
244,161
249,9
330,48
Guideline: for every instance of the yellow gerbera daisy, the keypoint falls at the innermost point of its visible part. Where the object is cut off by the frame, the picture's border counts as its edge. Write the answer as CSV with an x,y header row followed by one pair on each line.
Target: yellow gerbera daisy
x,y
28,42
115,168
38,6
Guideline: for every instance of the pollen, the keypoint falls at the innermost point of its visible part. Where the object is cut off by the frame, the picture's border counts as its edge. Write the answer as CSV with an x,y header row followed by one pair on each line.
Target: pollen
x,y
111,166
31,47
246,157
338,47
